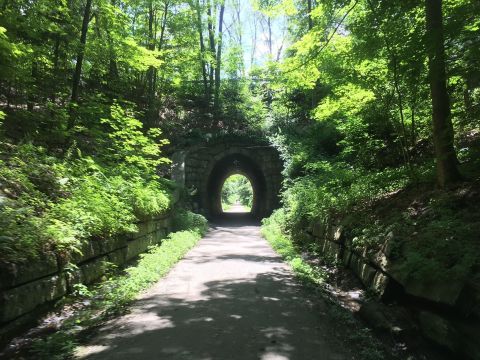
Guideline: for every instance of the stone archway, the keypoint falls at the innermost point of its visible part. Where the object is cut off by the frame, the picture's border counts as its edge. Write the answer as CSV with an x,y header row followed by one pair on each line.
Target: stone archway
x,y
236,164
203,169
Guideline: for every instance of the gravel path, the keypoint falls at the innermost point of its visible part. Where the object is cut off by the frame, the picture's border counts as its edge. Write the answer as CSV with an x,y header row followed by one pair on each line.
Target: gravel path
x,y
231,297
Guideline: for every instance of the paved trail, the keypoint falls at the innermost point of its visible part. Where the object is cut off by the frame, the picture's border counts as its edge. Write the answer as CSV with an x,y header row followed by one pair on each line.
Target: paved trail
x,y
231,297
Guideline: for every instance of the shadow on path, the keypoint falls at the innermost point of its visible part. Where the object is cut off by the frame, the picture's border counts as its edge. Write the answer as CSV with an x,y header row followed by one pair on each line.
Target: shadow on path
x,y
233,219
231,297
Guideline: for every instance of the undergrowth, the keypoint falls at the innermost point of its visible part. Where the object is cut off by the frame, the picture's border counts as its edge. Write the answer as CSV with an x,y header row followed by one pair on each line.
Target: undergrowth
x,y
283,245
52,200
314,278
113,296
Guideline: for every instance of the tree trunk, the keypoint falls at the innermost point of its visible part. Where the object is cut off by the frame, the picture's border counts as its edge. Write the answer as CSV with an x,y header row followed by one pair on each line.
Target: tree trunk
x,y
32,88
254,41
56,56
269,24
112,66
163,26
151,69
447,171
211,37
309,9
218,61
81,52
202,50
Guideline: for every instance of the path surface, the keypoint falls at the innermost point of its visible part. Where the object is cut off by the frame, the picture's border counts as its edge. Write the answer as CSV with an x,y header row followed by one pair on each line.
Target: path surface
x,y
231,297
237,209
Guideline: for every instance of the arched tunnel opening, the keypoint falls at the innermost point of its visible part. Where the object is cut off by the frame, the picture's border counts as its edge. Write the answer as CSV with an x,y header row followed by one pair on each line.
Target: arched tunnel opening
x,y
223,169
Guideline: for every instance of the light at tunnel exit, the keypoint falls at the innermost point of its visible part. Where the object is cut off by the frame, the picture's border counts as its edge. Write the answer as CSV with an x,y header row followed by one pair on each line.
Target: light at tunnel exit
x,y
237,194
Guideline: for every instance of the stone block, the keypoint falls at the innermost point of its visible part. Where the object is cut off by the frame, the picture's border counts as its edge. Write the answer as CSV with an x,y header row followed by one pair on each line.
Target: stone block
x,y
144,228
318,229
436,290
138,246
367,274
468,302
347,255
375,314
118,257
164,223
438,329
72,277
159,235
468,338
364,271
89,249
93,270
331,250
12,275
379,283
354,262
338,234
381,261
23,299
114,243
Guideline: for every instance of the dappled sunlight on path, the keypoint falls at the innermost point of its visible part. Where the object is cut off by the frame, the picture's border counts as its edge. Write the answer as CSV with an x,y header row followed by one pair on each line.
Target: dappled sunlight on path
x,y
231,297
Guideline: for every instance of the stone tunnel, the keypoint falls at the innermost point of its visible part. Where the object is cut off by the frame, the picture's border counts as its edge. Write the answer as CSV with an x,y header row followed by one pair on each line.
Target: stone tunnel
x,y
203,169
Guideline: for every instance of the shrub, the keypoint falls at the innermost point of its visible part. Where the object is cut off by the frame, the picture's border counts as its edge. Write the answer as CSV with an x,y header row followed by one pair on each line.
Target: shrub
x,y
273,231
53,202
187,220
150,199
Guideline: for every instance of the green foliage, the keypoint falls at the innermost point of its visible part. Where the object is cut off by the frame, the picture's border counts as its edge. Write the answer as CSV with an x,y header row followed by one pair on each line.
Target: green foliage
x,y
127,146
187,220
443,243
237,189
330,188
432,239
272,230
112,296
51,203
350,108
59,346
150,199
153,265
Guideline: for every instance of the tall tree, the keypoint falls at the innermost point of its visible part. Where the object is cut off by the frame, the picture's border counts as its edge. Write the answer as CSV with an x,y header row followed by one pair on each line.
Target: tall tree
x,y
309,9
81,51
211,41
199,24
218,59
447,170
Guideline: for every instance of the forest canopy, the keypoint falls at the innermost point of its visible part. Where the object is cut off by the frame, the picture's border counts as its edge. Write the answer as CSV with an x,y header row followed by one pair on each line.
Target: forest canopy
x,y
360,97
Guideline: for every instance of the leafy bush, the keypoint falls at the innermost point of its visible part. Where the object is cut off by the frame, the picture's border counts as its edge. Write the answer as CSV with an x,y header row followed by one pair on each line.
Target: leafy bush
x,y
273,231
52,203
187,220
335,187
150,199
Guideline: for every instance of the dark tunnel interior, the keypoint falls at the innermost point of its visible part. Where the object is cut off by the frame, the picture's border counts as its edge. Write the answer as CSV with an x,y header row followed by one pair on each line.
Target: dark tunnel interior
x,y
236,164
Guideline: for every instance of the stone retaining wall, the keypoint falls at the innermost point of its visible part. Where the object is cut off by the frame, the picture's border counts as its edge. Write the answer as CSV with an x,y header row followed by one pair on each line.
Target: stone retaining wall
x,y
28,289
447,313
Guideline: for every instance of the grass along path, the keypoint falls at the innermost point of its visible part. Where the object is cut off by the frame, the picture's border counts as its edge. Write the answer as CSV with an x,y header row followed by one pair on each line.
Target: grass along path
x,y
112,297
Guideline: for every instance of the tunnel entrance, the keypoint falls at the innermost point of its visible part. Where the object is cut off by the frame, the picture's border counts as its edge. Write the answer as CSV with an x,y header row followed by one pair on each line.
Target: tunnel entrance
x,y
236,164
203,169
237,194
